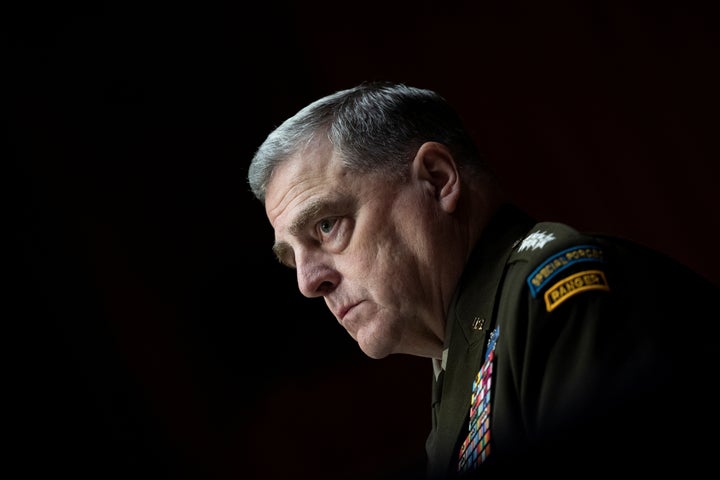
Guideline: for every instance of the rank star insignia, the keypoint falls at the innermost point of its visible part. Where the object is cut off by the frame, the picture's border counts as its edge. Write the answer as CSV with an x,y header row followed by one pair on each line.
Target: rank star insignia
x,y
536,240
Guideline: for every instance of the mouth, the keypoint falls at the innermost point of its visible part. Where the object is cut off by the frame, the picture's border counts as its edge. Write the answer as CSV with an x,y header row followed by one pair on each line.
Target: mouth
x,y
342,313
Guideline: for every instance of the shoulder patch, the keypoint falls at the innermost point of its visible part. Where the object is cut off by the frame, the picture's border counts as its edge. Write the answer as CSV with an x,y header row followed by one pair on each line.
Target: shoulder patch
x,y
542,275
572,285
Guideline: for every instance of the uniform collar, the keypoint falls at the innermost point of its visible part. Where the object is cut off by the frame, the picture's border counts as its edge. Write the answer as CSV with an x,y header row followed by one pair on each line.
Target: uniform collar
x,y
473,303
467,333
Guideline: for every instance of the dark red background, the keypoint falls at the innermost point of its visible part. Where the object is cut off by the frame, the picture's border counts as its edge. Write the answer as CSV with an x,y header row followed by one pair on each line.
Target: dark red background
x,y
157,336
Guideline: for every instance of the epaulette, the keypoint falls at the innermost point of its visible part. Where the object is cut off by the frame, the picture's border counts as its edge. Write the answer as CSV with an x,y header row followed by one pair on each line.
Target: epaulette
x,y
561,263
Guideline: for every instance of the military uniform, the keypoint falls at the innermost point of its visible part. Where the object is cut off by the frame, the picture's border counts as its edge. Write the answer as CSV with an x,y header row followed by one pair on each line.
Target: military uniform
x,y
596,355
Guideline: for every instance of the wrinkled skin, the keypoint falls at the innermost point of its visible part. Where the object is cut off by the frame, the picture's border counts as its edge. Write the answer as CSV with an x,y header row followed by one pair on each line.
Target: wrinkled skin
x,y
384,255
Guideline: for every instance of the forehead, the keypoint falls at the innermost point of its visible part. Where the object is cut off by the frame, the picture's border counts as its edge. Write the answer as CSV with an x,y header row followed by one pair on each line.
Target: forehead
x,y
307,175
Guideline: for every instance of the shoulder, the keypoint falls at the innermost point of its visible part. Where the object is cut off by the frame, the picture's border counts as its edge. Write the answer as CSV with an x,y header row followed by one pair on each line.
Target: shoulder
x,y
557,261
552,241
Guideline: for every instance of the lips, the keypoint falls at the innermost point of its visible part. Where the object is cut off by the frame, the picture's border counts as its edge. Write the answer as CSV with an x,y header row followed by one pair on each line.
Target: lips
x,y
342,313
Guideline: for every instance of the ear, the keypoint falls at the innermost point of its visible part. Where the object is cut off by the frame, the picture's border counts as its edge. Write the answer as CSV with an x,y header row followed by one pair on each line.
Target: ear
x,y
435,165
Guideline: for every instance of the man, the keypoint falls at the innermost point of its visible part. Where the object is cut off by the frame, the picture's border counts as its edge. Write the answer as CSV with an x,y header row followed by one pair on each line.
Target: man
x,y
553,351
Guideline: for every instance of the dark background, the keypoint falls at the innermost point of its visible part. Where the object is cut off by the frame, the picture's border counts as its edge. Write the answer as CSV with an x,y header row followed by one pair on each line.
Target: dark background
x,y
151,332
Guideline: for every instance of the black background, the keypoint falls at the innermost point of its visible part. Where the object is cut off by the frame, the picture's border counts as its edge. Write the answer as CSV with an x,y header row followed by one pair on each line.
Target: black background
x,y
155,335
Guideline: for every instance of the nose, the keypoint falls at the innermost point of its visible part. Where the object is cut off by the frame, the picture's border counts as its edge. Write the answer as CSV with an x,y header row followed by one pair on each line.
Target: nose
x,y
315,277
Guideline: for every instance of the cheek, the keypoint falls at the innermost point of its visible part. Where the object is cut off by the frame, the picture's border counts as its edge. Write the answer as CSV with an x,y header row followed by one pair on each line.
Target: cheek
x,y
376,263
395,265
388,245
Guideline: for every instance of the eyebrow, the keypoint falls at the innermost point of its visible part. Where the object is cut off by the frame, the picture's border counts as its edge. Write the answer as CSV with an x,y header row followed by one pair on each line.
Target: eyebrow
x,y
283,250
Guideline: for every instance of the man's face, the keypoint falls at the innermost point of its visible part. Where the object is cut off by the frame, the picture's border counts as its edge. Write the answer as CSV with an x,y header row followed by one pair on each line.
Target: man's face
x,y
361,242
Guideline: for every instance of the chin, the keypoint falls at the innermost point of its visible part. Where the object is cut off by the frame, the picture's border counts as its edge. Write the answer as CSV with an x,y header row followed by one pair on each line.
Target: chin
x,y
374,349
379,337
375,355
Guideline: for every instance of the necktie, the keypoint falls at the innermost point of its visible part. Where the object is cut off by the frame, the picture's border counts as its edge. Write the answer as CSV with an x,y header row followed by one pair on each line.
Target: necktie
x,y
476,447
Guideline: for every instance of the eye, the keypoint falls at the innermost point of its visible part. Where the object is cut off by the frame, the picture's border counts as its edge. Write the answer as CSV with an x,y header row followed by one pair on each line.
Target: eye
x,y
326,225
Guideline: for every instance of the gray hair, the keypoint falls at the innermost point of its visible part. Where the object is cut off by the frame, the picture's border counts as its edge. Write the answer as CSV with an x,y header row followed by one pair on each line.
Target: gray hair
x,y
373,127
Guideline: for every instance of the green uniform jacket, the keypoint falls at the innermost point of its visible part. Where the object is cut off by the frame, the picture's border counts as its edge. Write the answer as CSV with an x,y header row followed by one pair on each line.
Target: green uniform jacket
x,y
602,361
